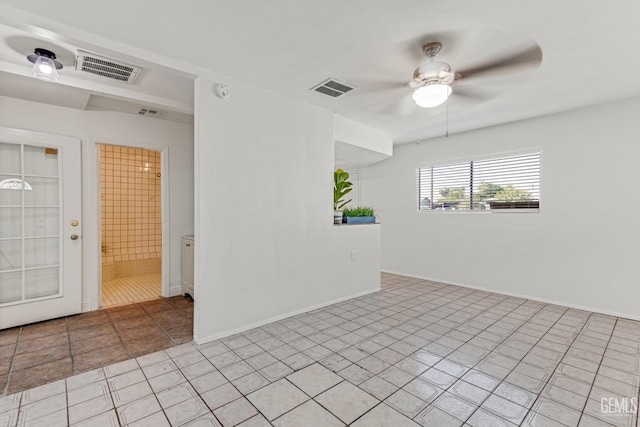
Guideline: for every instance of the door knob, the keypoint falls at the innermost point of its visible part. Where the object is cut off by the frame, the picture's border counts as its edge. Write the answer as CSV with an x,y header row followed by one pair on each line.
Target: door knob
x,y
74,237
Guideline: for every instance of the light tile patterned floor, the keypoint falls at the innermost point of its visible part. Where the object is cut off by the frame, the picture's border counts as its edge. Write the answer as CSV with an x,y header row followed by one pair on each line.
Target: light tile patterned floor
x,y
416,353
125,290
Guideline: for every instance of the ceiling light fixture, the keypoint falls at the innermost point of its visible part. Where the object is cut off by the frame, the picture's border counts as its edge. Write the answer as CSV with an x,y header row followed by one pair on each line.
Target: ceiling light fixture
x,y
45,66
432,95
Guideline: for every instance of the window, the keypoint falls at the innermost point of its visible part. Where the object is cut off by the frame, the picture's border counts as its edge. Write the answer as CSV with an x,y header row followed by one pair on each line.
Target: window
x,y
480,185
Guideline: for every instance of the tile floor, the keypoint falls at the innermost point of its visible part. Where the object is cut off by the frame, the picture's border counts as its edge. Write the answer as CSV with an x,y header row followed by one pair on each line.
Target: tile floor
x,y
35,354
416,353
125,290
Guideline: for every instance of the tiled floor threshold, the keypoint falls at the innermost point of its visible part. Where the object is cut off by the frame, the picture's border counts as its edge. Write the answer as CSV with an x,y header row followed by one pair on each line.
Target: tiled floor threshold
x,y
125,290
43,352
416,353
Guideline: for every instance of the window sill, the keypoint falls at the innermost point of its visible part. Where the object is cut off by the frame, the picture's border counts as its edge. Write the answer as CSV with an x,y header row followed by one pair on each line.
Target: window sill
x,y
479,211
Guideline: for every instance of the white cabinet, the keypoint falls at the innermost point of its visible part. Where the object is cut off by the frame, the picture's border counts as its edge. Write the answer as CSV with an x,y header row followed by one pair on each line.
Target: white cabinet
x,y
187,264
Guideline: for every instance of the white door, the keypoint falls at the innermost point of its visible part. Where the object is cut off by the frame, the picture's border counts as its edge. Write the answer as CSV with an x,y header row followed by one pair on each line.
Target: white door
x,y
40,227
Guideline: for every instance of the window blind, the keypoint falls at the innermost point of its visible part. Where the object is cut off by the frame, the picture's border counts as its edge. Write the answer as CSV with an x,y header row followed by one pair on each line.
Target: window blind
x,y
511,182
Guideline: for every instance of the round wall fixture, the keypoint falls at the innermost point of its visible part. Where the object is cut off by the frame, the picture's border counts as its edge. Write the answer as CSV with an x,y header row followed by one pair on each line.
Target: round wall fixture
x,y
222,91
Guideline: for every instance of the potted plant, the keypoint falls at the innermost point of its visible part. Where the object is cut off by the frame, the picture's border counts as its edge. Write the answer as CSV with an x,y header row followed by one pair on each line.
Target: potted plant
x,y
360,215
341,187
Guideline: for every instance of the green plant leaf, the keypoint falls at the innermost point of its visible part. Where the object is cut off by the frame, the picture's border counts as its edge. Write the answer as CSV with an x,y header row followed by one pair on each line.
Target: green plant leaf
x,y
341,187
359,211
343,203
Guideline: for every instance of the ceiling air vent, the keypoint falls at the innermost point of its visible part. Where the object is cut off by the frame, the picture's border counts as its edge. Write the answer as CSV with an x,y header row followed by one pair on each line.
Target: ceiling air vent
x,y
333,88
106,67
149,112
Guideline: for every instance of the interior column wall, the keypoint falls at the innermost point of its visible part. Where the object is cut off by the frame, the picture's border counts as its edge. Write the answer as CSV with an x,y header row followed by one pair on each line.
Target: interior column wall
x,y
264,213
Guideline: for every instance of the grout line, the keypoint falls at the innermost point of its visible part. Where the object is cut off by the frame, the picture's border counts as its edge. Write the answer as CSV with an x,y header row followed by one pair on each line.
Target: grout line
x,y
154,321
485,357
13,361
599,365
451,329
117,331
489,295
73,360
66,398
546,383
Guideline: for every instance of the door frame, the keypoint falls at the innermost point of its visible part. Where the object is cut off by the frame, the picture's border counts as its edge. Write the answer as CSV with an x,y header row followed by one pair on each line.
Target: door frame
x,y
164,194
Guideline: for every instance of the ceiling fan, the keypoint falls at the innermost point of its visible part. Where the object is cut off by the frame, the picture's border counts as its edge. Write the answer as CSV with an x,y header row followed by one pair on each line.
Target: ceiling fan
x,y
434,81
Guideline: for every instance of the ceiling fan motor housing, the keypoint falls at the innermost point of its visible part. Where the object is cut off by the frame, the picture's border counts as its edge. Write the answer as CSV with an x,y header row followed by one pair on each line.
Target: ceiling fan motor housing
x,y
430,50
432,73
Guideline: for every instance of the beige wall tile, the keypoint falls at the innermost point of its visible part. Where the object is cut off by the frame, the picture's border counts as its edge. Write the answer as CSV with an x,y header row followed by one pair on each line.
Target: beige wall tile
x,y
131,200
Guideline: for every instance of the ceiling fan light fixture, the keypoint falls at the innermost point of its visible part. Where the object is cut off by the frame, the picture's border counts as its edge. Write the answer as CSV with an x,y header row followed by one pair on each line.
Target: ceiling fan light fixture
x,y
432,95
45,66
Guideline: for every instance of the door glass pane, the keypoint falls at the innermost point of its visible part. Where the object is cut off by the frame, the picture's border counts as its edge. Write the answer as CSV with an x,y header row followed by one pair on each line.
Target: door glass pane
x,y
40,222
10,254
40,161
41,282
10,222
9,158
10,286
44,192
10,191
30,214
41,252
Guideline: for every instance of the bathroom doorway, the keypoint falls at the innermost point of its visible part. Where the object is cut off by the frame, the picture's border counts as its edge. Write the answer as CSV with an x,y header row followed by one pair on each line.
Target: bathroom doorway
x,y
131,224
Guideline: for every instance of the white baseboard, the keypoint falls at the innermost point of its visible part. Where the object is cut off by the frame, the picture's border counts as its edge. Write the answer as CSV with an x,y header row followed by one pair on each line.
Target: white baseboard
x,y
203,340
87,305
519,295
175,290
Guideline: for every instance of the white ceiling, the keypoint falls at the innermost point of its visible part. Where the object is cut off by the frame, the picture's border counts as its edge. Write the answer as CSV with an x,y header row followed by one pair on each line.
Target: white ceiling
x,y
289,46
157,87
352,157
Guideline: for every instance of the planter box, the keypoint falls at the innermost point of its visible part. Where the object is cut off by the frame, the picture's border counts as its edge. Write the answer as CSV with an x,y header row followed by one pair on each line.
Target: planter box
x,y
361,219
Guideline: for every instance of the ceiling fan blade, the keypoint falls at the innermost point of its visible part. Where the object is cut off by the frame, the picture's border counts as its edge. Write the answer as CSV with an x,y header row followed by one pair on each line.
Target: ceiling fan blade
x,y
369,94
530,57
403,106
470,93
379,86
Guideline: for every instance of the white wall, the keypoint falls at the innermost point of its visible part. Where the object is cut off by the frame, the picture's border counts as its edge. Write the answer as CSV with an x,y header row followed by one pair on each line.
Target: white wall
x,y
264,216
580,250
114,128
357,134
357,145
356,257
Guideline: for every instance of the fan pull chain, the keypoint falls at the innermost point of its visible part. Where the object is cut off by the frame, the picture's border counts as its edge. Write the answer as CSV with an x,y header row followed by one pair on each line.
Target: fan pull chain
x,y
418,128
446,133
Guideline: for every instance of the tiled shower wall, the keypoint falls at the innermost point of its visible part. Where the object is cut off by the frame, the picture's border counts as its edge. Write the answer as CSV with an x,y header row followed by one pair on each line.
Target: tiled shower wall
x,y
130,208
